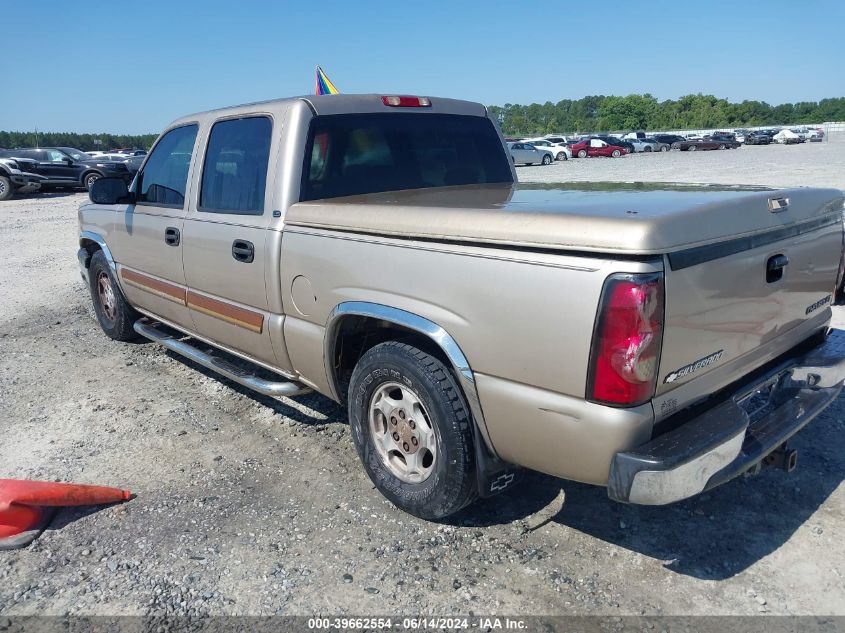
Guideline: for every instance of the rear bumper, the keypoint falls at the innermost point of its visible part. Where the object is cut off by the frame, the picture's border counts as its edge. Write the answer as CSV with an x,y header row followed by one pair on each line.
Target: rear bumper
x,y
731,438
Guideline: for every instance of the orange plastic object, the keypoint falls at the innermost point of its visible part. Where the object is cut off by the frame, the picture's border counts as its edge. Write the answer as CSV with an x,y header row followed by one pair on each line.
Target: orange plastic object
x,y
21,516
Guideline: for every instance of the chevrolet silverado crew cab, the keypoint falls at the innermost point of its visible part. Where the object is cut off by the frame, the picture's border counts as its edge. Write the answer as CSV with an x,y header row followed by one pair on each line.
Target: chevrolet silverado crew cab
x,y
377,250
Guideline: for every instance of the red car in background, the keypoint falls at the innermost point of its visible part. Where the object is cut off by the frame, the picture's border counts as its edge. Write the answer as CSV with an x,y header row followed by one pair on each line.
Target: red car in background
x,y
597,147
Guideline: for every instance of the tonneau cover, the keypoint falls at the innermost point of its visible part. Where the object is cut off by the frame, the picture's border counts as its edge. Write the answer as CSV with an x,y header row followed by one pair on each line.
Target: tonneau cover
x,y
631,219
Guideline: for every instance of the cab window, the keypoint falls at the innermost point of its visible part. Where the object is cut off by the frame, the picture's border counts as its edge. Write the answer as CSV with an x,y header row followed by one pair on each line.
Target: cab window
x,y
234,174
165,177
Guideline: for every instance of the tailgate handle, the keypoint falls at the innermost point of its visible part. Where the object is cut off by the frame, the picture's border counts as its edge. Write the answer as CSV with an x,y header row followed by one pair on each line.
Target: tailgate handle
x,y
775,266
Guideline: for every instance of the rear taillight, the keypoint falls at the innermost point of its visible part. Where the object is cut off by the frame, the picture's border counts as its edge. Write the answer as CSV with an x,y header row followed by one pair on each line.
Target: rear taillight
x,y
400,101
627,339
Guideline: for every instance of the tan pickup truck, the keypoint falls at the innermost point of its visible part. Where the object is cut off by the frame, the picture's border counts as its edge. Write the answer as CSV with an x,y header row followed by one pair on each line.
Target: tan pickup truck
x,y
377,249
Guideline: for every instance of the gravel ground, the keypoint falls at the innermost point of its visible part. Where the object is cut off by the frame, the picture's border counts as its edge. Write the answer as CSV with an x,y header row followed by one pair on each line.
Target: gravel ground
x,y
248,505
803,165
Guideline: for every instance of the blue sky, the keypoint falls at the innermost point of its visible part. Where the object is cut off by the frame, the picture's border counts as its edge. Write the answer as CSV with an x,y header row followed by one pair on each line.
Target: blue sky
x,y
131,67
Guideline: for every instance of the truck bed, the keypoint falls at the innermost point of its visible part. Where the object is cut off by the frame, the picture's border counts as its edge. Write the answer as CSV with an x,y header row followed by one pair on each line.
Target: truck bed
x,y
637,220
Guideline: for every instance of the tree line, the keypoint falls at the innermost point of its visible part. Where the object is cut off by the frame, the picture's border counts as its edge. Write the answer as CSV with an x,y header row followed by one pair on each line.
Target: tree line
x,y
596,113
601,113
85,142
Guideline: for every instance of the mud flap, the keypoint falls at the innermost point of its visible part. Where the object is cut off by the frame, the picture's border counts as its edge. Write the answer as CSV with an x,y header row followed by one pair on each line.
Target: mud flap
x,y
493,474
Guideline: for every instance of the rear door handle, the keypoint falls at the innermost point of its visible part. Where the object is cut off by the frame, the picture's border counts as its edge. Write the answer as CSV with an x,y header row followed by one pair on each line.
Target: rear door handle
x,y
171,236
243,251
775,266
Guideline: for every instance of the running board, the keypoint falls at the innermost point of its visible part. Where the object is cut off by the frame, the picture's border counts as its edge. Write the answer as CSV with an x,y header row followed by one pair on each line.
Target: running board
x,y
223,367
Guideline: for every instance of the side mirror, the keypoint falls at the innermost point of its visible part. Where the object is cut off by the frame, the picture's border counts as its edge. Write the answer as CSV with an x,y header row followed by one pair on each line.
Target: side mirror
x,y
109,191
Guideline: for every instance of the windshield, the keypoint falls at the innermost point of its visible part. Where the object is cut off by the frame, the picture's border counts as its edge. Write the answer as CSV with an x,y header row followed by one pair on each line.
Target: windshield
x,y
353,154
75,154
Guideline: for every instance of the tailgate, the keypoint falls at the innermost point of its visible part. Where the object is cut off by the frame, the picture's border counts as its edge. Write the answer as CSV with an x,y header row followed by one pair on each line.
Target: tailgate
x,y
734,305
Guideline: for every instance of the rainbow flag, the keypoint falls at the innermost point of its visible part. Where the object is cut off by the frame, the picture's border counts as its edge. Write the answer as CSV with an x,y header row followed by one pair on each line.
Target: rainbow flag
x,y
324,84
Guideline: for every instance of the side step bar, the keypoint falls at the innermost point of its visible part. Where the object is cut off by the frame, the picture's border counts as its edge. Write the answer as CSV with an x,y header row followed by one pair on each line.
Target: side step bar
x,y
223,367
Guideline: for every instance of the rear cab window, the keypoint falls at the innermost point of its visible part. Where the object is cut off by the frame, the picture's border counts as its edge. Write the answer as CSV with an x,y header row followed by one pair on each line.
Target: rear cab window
x,y
353,154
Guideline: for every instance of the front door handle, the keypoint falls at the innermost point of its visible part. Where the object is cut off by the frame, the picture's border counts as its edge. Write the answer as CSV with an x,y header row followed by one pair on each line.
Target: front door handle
x,y
171,236
243,251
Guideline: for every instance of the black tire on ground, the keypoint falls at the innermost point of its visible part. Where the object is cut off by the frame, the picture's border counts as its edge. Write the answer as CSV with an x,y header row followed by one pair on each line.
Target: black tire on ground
x,y
616,153
561,156
664,148
90,179
647,148
452,482
6,189
722,146
582,153
114,314
547,159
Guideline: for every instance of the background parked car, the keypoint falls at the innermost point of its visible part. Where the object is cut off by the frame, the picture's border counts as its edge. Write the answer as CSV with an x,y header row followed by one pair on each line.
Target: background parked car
x,y
527,154
617,142
658,146
560,151
670,139
133,163
597,147
787,137
69,167
716,141
643,144
757,138
16,178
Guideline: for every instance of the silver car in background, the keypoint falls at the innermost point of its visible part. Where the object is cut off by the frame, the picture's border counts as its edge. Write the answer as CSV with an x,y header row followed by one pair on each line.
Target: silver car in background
x,y
527,154
560,150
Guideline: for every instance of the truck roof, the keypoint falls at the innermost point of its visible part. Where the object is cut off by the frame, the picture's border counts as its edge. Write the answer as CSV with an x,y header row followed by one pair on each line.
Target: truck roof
x,y
335,104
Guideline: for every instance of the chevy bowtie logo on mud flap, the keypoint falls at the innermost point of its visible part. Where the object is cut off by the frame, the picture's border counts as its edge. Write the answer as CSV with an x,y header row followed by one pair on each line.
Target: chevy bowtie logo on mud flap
x,y
501,482
692,367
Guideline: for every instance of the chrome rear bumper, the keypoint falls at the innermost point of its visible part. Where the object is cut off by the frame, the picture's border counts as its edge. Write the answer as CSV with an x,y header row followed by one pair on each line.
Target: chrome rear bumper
x,y
734,436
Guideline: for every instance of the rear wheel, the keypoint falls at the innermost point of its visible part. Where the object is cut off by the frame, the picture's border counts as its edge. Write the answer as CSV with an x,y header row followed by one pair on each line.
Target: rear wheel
x,y
722,146
616,153
647,148
113,312
664,148
6,189
582,153
561,156
691,148
412,429
547,159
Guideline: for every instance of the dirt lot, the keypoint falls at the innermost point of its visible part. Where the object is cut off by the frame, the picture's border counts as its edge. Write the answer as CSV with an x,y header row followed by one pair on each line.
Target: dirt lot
x,y
248,505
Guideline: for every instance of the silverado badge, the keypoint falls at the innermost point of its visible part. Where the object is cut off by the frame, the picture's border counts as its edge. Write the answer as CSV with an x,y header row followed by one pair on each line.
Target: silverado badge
x,y
688,369
818,304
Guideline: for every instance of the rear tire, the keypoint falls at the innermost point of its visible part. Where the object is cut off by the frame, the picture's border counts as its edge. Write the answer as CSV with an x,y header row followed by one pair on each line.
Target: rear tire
x,y
399,391
691,148
547,159
647,148
721,147
582,153
6,189
561,156
616,153
664,148
113,312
